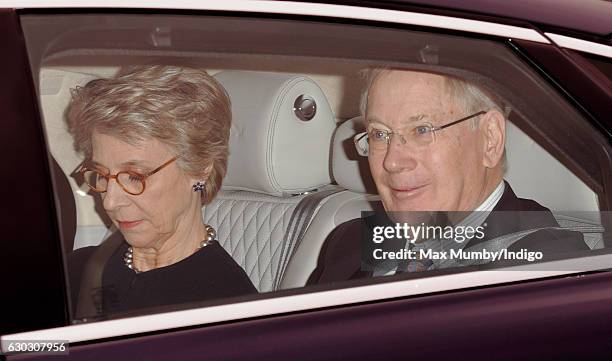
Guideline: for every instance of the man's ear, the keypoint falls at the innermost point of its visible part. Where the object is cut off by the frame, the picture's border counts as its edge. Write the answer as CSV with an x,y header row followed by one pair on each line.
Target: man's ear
x,y
493,126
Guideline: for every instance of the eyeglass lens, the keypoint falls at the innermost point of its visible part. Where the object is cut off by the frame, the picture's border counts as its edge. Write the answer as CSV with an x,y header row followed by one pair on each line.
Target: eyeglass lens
x,y
130,182
419,136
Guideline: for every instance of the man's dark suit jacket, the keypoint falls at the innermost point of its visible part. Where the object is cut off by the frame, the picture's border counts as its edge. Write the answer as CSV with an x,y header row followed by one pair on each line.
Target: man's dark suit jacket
x,y
341,255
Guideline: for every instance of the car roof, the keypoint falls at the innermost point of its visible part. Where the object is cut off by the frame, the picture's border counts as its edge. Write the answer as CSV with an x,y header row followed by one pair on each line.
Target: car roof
x,y
587,16
588,19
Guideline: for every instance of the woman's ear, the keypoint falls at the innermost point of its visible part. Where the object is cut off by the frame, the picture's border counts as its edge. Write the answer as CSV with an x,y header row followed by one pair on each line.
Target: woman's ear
x,y
493,126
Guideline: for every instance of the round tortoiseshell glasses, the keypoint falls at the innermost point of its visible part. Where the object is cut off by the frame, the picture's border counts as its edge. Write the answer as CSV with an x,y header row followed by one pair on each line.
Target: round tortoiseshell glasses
x,y
131,182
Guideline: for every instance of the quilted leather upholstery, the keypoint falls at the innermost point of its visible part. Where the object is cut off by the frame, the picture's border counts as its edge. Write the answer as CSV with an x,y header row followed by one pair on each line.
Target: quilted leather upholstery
x,y
269,146
251,227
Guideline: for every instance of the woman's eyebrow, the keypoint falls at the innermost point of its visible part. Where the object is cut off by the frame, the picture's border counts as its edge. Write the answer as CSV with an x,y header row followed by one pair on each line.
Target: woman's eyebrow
x,y
131,162
135,162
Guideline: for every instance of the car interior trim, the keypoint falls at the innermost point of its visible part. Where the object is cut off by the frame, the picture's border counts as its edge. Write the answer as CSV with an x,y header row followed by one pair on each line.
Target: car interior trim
x,y
581,45
313,300
309,9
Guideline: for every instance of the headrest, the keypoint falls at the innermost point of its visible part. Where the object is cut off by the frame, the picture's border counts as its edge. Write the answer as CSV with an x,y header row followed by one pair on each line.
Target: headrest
x,y
351,170
272,150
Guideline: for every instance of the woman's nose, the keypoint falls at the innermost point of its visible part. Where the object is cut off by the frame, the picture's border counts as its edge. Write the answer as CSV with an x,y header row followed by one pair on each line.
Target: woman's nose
x,y
114,197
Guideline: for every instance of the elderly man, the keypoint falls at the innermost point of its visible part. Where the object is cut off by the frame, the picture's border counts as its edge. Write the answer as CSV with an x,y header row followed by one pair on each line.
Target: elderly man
x,y
436,143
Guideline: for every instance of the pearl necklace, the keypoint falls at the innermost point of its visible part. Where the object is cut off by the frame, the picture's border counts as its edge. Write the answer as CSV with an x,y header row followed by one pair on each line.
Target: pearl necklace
x,y
128,256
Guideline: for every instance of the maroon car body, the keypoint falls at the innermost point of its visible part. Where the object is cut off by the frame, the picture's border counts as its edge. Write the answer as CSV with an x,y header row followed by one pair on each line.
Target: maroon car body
x,y
565,317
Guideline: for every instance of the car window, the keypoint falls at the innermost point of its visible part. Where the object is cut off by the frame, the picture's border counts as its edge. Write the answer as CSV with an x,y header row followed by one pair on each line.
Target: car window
x,y
298,202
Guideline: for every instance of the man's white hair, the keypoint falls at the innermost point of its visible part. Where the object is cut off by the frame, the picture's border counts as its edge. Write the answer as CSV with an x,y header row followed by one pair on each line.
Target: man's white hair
x,y
470,97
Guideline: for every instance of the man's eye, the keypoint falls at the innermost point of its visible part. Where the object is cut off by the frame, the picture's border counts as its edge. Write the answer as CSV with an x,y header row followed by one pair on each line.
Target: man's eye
x,y
379,135
422,130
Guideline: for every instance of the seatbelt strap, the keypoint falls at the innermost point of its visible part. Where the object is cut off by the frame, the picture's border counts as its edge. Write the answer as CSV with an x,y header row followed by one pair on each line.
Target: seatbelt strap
x,y
89,304
298,224
502,242
497,244
507,240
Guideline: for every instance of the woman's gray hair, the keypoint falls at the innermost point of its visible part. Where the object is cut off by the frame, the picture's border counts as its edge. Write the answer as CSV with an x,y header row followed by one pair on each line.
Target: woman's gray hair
x,y
184,108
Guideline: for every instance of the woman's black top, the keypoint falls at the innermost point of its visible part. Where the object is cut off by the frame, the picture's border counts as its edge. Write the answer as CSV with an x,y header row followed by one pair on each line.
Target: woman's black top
x,y
210,273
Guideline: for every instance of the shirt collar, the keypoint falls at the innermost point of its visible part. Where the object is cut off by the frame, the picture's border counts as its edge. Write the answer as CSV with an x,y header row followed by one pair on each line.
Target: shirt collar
x,y
481,212
474,219
493,198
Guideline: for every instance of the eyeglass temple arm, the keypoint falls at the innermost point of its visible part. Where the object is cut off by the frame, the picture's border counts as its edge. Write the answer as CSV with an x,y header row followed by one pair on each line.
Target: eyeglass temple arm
x,y
460,120
161,166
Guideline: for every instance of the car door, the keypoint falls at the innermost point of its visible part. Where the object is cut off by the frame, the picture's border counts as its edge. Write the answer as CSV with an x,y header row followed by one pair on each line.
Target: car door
x,y
529,313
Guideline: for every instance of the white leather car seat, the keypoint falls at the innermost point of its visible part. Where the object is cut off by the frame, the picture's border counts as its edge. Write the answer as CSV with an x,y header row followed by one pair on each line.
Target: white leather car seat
x,y
552,186
275,159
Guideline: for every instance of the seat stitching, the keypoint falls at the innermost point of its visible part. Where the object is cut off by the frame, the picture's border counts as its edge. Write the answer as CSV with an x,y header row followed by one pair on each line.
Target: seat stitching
x,y
274,251
277,224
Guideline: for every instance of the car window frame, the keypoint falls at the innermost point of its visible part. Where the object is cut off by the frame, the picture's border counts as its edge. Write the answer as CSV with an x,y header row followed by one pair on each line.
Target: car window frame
x,y
74,330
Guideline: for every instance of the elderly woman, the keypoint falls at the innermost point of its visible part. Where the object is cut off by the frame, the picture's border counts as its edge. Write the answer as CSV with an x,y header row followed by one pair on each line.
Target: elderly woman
x,y
155,140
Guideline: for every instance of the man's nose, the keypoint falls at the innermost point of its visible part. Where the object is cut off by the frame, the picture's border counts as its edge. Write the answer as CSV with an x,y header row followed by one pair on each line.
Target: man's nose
x,y
114,197
400,155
